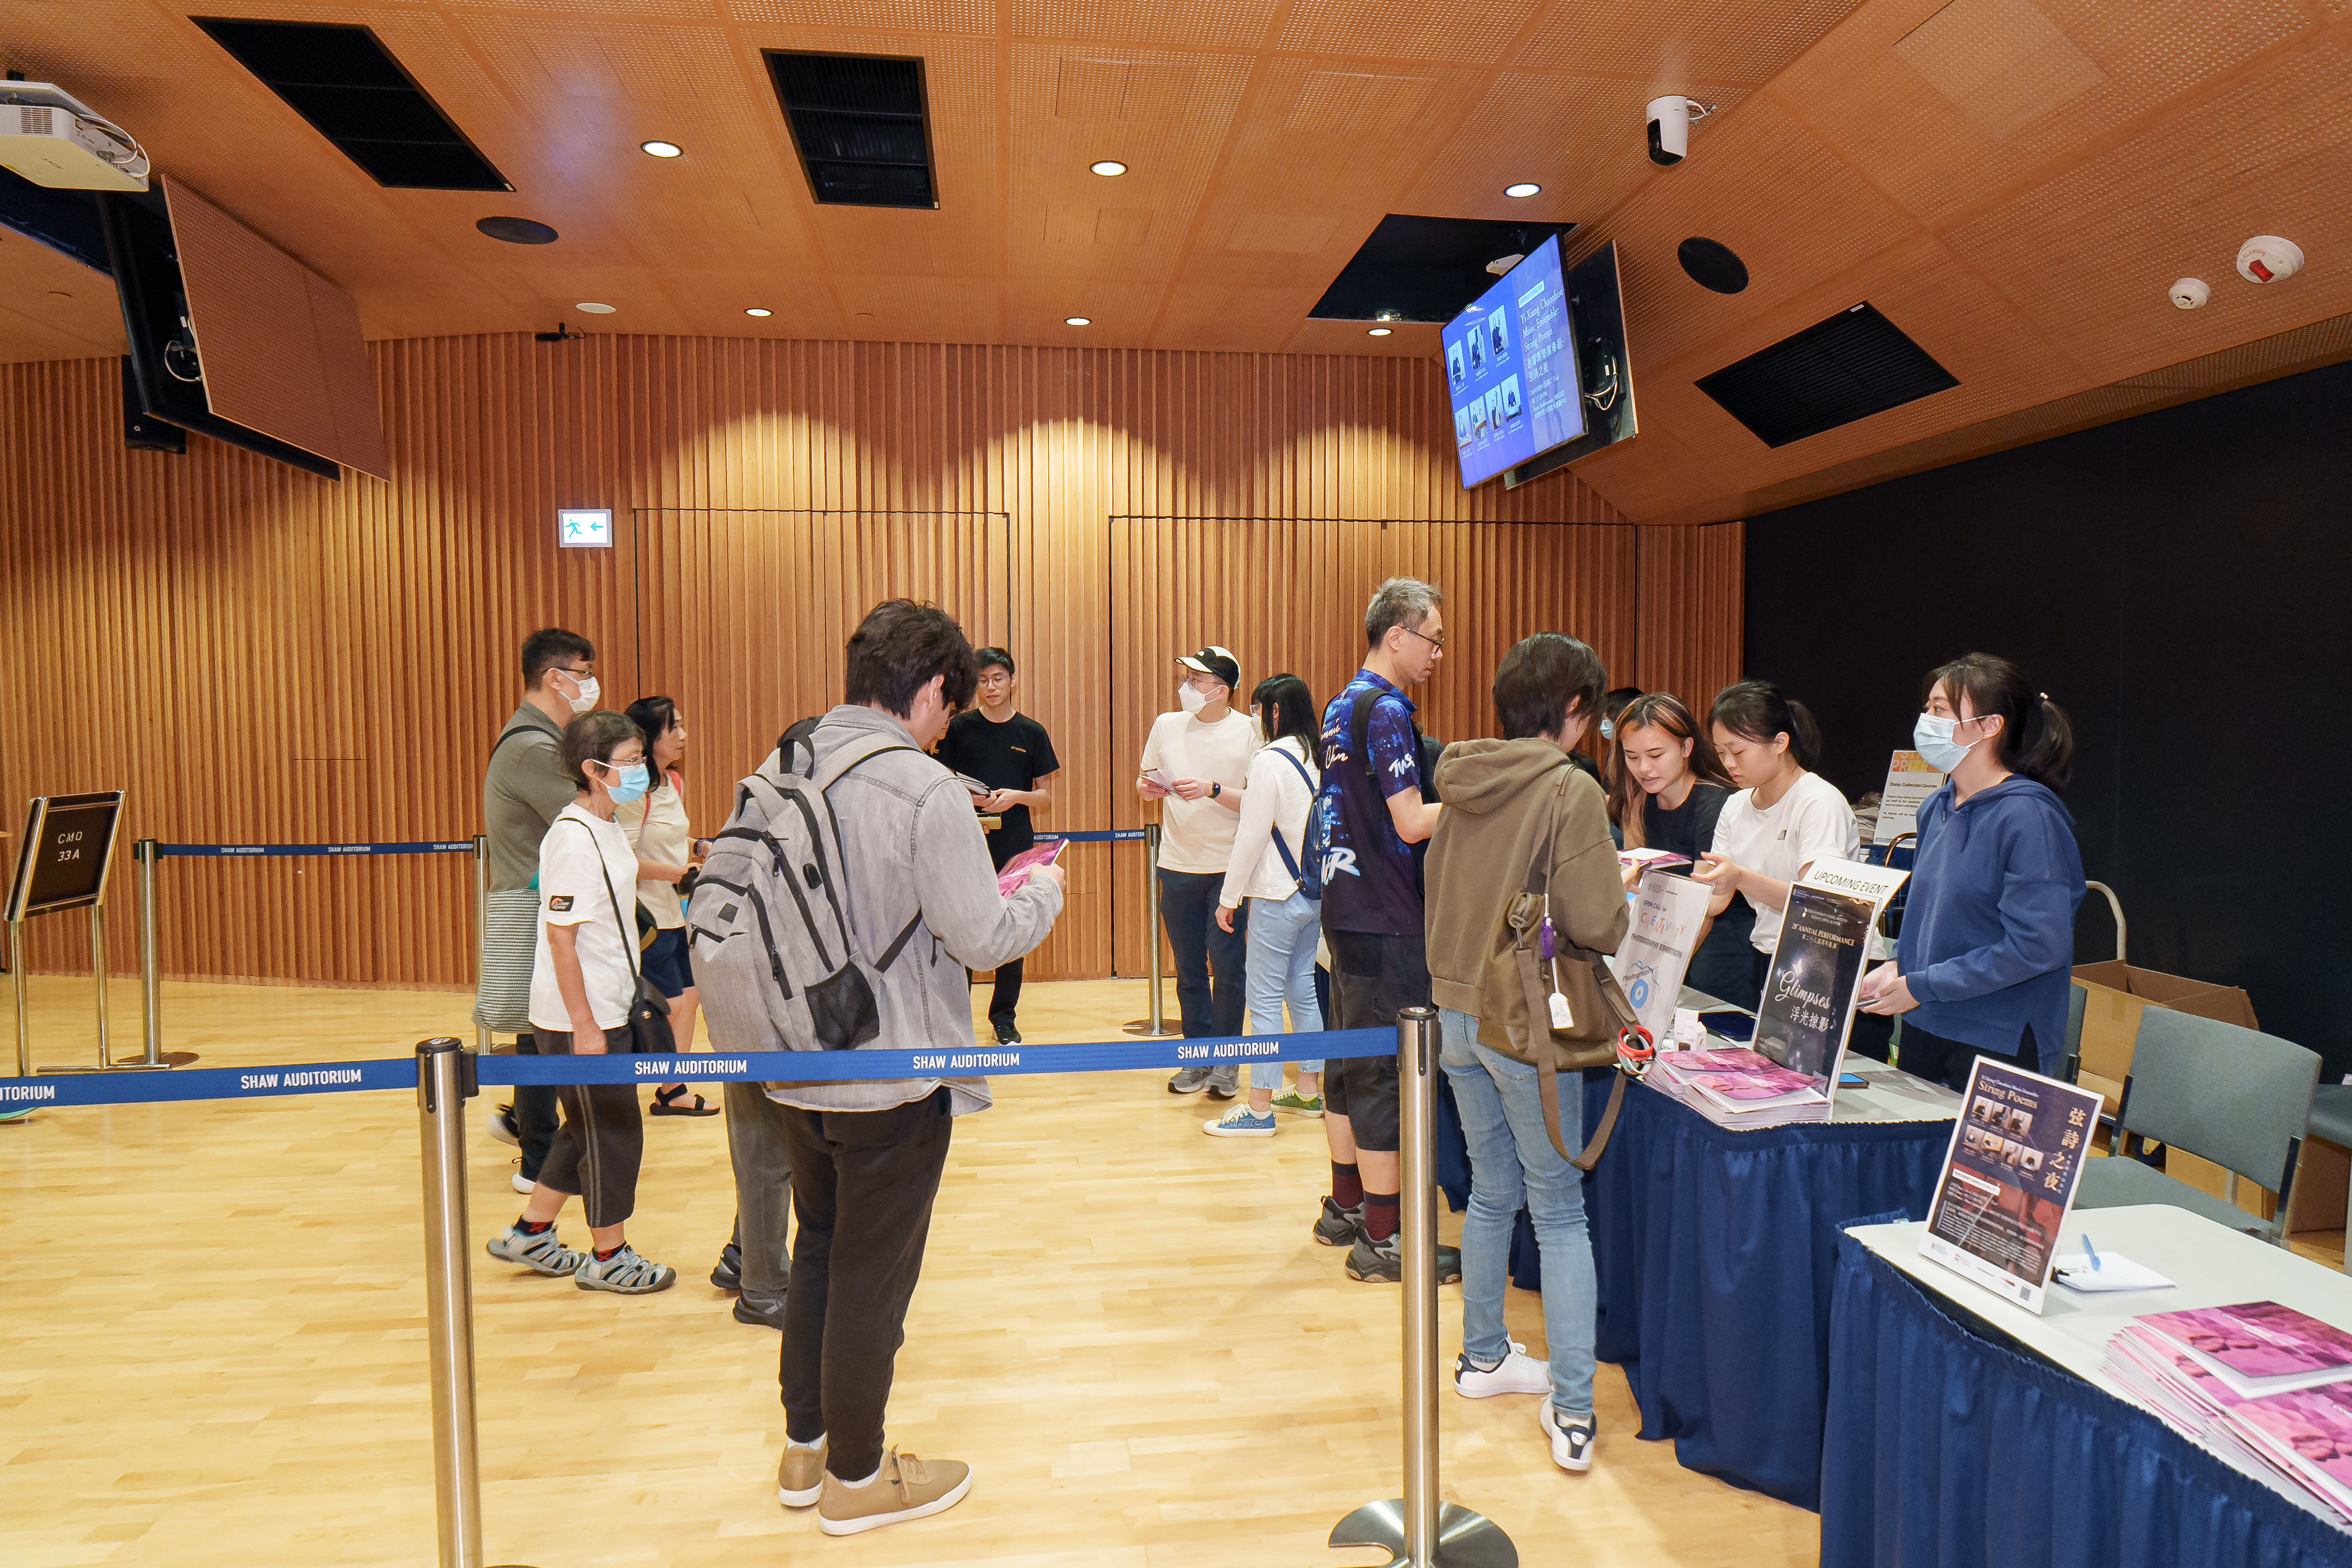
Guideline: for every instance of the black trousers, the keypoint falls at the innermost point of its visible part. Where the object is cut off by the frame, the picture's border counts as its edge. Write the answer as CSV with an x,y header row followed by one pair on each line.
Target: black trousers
x,y
863,1183
1005,1000
1211,989
1379,977
535,1113
1940,1060
601,1143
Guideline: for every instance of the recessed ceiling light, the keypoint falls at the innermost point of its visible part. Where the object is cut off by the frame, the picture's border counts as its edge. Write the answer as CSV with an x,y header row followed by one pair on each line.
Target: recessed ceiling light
x,y
1077,320
660,149
1377,332
1107,167
755,311
595,310
1523,188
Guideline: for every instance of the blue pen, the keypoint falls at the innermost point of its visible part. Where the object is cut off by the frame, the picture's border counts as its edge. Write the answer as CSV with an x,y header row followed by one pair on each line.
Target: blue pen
x,y
2090,1252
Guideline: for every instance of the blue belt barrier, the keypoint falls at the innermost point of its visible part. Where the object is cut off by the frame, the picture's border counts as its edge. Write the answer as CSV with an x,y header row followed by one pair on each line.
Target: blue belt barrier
x,y
757,1067
238,851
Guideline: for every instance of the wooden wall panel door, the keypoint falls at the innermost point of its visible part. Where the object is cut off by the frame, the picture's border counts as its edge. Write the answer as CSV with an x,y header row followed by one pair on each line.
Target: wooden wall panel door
x,y
1289,595
744,615
1693,610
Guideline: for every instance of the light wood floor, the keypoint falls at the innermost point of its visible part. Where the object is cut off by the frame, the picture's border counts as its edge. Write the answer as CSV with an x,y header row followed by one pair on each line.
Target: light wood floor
x,y
212,1341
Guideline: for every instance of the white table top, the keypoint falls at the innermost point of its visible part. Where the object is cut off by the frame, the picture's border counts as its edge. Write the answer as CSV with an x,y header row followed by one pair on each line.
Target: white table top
x,y
2210,1266
1891,1095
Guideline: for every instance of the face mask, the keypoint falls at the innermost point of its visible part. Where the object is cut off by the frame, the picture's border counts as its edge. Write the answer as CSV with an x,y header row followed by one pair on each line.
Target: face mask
x,y
1609,729
1193,701
1932,737
588,693
632,784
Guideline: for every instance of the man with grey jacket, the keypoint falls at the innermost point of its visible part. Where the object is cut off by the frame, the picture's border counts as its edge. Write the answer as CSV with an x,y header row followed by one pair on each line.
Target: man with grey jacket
x,y
866,1156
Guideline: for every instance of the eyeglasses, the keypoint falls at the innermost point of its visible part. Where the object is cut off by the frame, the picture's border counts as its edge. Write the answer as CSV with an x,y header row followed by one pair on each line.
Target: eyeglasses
x,y
1437,642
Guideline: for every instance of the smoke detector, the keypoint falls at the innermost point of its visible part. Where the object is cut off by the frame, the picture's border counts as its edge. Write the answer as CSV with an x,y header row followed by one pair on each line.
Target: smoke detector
x,y
2266,258
2190,293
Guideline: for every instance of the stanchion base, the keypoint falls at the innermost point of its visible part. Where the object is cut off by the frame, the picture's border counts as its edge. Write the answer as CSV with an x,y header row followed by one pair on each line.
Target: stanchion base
x,y
1143,1027
171,1059
1464,1539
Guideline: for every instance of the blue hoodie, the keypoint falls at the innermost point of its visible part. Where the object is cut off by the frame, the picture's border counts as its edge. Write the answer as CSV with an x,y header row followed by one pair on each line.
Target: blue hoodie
x,y
1987,938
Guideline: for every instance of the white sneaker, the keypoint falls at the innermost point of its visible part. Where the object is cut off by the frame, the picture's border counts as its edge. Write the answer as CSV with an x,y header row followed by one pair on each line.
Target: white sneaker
x,y
1516,1373
519,1181
1571,1441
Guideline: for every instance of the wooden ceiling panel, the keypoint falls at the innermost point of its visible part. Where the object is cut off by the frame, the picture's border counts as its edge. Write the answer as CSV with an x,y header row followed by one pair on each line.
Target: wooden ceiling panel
x,y
1202,316
1121,314
53,306
951,16
2179,199
1712,40
1481,34
1406,340
1202,24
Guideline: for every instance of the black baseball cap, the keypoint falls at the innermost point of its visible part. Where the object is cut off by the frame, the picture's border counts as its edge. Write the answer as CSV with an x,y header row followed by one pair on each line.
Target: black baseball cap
x,y
1217,661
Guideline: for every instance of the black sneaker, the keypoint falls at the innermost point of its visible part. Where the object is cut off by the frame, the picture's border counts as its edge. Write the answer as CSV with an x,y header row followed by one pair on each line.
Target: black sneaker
x,y
1338,1226
761,1312
1006,1035
1379,1263
729,1275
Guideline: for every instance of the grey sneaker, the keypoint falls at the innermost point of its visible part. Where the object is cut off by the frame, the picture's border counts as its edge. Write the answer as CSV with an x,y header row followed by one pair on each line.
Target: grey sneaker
x,y
1338,1226
1224,1082
768,1312
625,1274
542,1252
1188,1080
1380,1263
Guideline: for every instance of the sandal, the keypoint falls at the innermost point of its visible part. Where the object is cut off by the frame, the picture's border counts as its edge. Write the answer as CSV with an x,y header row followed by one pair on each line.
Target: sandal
x,y
666,1103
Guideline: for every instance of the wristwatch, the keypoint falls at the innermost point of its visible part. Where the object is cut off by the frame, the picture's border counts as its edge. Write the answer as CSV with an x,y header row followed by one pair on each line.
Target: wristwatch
x,y
1215,790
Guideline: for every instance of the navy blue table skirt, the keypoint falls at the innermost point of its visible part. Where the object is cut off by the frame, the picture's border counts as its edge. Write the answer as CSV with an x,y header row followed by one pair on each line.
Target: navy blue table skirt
x,y
1943,1448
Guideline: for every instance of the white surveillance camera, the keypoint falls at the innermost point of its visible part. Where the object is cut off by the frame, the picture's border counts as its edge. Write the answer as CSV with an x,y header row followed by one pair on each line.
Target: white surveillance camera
x,y
2190,293
1670,119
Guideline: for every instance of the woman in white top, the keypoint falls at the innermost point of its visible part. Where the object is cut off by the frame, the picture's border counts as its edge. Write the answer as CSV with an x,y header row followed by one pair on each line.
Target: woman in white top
x,y
583,981
667,851
1784,818
1284,922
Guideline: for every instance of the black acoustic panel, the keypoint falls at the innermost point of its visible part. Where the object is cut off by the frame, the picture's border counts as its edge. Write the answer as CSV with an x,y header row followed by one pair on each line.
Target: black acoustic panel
x,y
1425,268
1853,366
347,85
861,125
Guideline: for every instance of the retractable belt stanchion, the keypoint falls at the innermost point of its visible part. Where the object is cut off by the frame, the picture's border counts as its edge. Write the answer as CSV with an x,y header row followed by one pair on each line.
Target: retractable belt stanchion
x,y
1416,1528
151,975
1155,1027
481,919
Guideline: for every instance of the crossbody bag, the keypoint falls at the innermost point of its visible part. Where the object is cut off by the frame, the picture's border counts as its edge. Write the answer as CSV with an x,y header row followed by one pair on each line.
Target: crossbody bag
x,y
648,1019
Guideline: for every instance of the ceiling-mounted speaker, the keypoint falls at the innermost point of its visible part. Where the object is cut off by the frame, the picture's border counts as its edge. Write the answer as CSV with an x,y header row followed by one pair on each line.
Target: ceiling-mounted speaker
x,y
1712,265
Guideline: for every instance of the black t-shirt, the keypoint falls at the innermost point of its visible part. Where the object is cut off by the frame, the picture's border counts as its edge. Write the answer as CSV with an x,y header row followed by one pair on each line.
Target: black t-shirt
x,y
1011,755
1689,829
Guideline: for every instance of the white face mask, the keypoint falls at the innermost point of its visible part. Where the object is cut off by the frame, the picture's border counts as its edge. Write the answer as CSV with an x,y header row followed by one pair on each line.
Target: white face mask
x,y
588,693
1932,737
1192,702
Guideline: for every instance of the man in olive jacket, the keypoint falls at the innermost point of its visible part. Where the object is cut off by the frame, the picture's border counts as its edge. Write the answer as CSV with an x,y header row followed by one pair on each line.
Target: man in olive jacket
x,y
1517,817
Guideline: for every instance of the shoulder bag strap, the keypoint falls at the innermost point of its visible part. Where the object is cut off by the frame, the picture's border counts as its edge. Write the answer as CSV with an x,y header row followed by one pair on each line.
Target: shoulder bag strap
x,y
628,937
1289,861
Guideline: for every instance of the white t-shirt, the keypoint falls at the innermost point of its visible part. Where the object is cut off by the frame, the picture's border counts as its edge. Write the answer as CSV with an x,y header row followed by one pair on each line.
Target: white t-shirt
x,y
1197,835
1811,822
574,860
655,825
1278,797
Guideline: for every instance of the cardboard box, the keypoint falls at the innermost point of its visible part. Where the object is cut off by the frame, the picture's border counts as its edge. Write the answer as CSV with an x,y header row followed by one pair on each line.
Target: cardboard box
x,y
2115,995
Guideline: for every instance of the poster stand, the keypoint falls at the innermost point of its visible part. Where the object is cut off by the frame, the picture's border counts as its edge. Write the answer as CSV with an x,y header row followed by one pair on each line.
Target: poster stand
x,y
68,851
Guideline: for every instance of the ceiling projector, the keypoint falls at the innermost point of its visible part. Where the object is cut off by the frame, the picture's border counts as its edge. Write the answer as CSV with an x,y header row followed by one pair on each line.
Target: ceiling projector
x,y
53,138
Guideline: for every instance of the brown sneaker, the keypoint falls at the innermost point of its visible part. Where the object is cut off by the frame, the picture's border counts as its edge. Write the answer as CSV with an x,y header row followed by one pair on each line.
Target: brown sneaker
x,y
907,1488
800,1475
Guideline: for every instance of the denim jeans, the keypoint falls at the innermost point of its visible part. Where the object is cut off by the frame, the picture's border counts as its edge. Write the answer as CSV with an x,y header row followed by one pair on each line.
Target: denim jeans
x,y
1512,1163
1282,934
1188,912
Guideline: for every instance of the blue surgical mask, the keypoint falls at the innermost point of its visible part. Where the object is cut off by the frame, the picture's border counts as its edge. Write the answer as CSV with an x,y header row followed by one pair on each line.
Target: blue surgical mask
x,y
1932,737
1609,729
635,780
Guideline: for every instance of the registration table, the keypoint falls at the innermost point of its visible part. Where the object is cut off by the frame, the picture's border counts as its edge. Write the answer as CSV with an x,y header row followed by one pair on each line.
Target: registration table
x,y
1714,1251
1964,1430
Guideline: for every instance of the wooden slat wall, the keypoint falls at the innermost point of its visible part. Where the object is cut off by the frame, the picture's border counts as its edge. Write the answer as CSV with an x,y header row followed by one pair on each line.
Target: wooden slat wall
x,y
258,655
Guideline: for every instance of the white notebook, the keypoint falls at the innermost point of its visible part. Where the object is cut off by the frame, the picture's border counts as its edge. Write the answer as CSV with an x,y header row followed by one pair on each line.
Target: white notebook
x,y
2116,1272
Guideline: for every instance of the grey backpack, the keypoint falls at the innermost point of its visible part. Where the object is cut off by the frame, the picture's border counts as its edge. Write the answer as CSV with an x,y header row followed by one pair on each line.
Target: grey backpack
x,y
776,963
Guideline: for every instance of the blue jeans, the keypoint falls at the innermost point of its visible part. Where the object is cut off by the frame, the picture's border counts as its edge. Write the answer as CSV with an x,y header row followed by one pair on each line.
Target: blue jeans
x,y
1281,968
1512,1163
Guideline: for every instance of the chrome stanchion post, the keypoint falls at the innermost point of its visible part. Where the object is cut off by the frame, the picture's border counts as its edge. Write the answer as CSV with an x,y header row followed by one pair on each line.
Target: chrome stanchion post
x,y
98,972
1151,917
1417,1528
16,984
444,1081
150,985
481,923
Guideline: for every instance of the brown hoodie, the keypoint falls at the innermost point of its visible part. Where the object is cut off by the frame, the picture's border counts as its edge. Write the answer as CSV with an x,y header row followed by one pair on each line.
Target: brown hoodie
x,y
1509,825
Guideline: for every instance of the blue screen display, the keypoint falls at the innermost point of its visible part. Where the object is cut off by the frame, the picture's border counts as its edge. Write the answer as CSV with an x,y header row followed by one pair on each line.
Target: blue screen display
x,y
1510,370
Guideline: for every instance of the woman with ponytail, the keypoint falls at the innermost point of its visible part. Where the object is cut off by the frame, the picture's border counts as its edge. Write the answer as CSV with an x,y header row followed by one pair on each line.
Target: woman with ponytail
x,y
1987,940
1785,817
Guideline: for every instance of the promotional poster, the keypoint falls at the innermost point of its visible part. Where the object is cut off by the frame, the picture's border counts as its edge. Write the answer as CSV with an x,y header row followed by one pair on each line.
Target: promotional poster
x,y
2009,1179
1909,782
1666,915
1809,995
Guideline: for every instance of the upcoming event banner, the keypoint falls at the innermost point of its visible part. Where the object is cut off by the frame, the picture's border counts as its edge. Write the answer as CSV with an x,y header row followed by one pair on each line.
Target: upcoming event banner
x,y
1668,910
1807,1009
1909,782
2009,1179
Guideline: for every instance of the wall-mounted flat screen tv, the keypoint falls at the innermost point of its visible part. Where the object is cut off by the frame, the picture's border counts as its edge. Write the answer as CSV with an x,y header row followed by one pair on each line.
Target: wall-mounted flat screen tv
x,y
1510,370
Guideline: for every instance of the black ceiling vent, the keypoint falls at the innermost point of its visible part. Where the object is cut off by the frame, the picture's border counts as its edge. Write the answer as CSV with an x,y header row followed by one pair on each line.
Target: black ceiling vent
x,y
861,126
347,85
1425,268
1853,366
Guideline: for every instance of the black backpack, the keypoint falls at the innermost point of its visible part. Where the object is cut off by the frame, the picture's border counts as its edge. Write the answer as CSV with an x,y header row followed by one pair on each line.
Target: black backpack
x,y
1318,836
